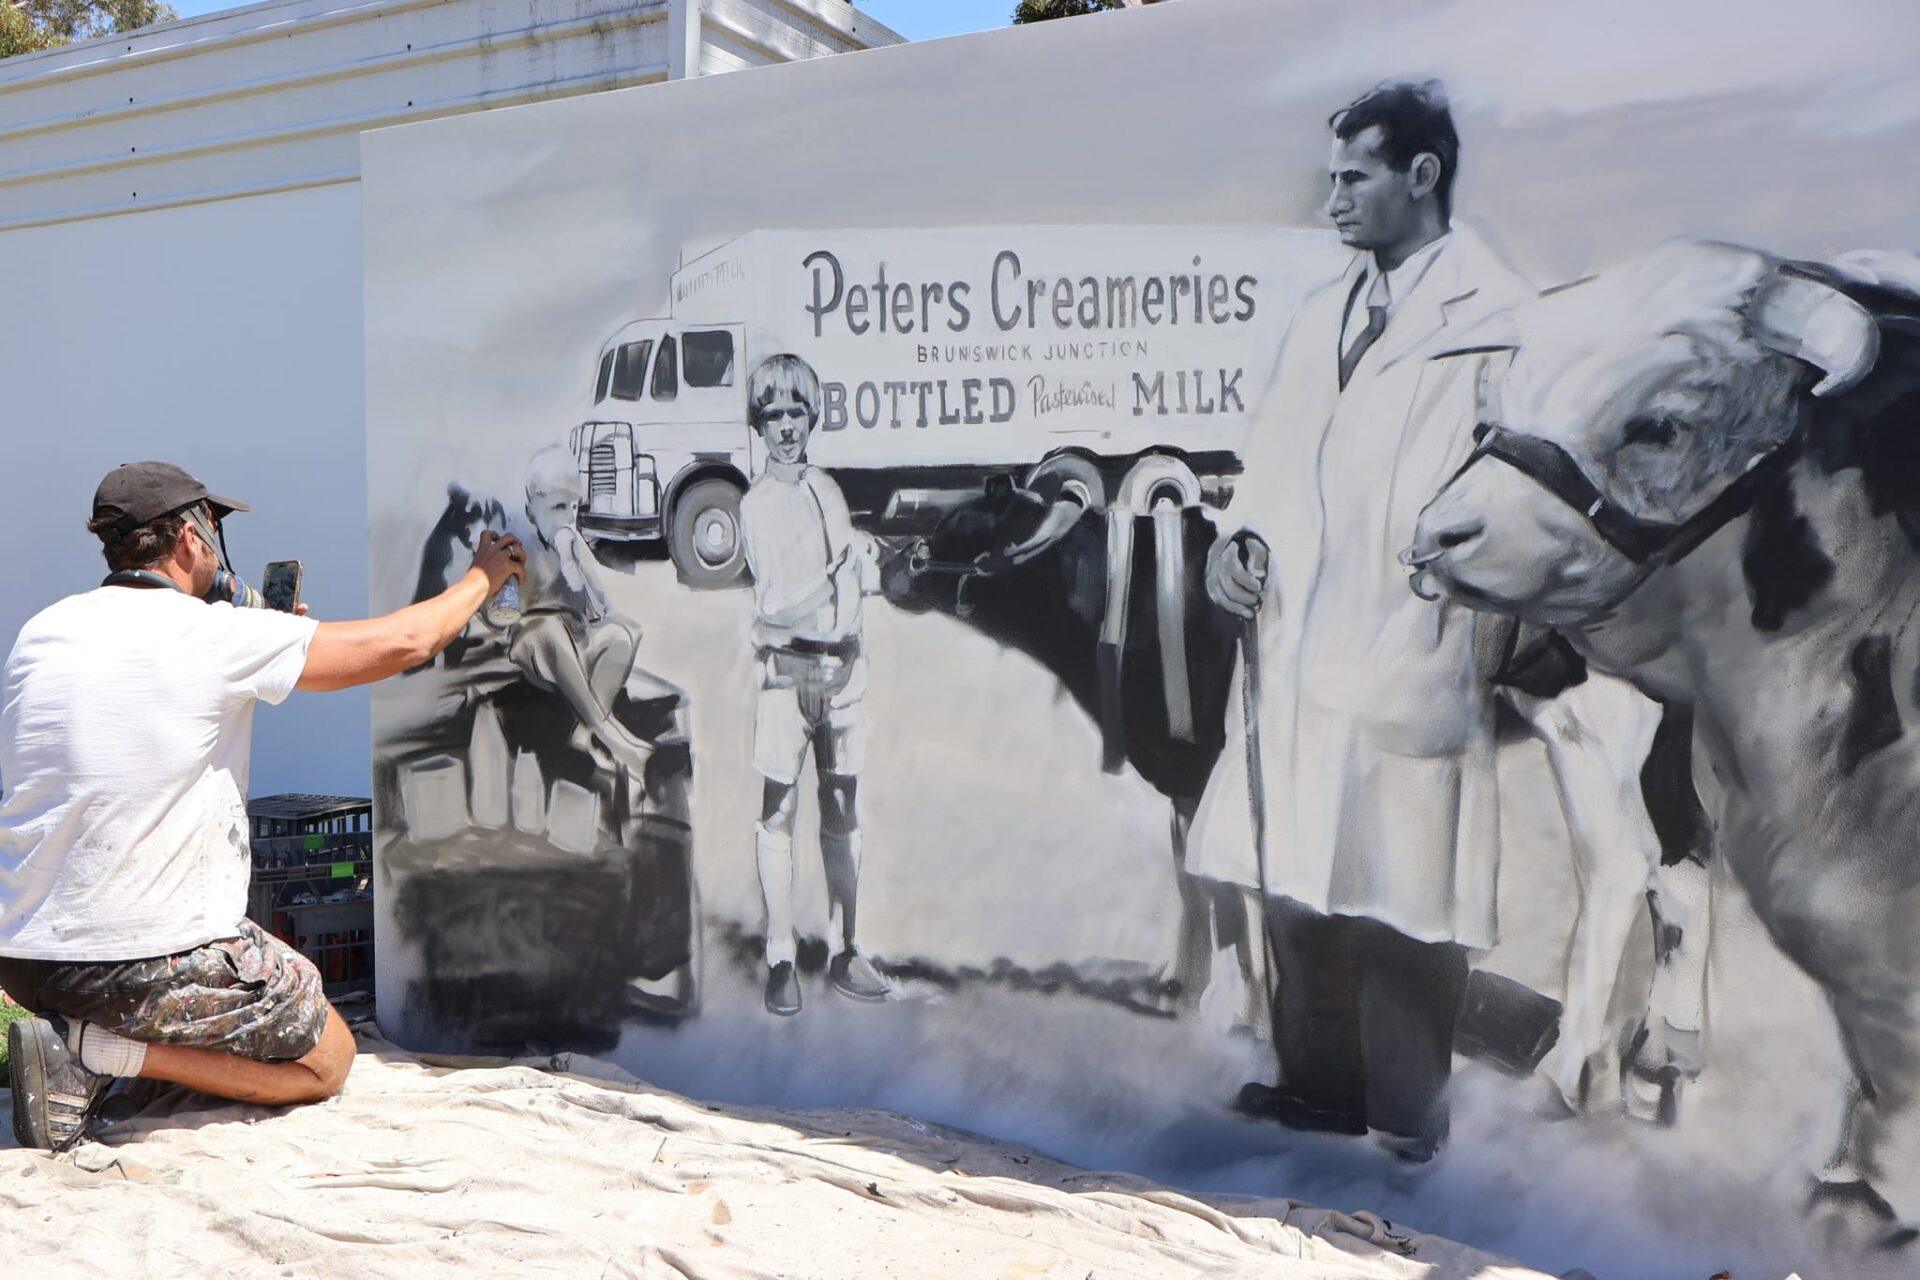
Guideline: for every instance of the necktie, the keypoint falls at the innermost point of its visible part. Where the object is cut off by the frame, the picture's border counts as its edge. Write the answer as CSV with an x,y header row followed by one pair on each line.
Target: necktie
x,y
1376,325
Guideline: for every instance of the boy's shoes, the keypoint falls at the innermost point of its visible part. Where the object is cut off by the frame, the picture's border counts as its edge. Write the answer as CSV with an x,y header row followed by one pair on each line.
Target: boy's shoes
x,y
783,989
53,1094
854,976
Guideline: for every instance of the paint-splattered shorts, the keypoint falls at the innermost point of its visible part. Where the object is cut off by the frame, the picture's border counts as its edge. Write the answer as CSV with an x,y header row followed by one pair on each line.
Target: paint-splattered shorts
x,y
252,996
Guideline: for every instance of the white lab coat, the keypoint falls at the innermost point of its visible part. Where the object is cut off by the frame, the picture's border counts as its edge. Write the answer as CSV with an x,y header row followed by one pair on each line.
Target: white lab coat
x,y
1376,724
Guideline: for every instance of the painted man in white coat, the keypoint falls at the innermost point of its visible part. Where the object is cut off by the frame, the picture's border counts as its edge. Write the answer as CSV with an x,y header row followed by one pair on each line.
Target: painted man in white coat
x,y
1378,812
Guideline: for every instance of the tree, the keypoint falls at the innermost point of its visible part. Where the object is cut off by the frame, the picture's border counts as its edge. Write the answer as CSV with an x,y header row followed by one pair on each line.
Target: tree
x,y
1042,10
26,25
18,34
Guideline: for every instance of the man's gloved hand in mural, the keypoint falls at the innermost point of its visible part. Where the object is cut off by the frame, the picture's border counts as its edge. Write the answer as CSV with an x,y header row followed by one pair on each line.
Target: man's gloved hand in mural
x,y
125,727
1237,573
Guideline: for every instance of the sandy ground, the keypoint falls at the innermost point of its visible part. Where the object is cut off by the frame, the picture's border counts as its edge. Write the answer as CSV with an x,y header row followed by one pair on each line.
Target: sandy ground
x,y
572,1168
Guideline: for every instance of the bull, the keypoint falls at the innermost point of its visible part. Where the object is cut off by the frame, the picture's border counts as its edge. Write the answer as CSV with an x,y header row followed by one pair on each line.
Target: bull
x,y
1034,566
1110,598
1704,470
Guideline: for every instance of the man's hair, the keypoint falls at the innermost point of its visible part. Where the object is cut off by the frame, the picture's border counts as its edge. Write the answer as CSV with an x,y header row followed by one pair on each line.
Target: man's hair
x,y
784,377
141,547
1413,118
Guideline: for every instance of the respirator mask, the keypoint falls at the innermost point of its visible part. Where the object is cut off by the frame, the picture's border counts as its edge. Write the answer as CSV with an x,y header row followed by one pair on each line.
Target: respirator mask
x,y
227,585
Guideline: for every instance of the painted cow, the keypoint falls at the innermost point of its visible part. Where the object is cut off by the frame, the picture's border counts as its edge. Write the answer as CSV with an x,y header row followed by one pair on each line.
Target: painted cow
x,y
1110,597
1028,565
1704,469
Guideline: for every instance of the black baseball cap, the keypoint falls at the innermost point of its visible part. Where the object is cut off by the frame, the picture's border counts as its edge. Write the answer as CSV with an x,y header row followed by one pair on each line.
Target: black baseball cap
x,y
134,493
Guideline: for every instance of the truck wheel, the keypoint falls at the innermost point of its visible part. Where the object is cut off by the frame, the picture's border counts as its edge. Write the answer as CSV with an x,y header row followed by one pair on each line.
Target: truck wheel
x,y
704,539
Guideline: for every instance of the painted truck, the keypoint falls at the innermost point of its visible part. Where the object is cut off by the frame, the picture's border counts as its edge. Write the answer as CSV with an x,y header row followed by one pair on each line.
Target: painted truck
x,y
945,356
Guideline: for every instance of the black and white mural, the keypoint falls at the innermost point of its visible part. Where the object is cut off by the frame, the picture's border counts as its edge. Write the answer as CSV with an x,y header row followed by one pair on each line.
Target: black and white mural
x,y
1295,602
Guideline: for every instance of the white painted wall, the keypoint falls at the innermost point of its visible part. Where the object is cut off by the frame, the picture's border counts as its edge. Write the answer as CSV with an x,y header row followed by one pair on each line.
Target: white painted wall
x,y
226,336
180,264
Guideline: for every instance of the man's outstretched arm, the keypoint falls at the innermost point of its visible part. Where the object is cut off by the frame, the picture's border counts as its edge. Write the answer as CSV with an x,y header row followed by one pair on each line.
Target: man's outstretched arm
x,y
345,654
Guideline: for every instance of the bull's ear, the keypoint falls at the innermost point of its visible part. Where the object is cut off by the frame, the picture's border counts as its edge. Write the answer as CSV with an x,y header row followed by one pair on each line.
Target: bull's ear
x,y
1799,316
1496,332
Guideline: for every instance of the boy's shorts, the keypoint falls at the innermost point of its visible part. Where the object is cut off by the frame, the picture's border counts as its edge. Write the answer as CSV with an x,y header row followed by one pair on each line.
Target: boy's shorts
x,y
252,996
810,701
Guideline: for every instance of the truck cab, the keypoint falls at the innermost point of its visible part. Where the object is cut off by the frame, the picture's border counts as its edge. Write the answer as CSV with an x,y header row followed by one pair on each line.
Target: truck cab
x,y
665,450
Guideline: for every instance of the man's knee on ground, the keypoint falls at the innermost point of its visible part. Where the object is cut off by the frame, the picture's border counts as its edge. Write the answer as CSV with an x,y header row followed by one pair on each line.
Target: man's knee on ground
x,y
330,1060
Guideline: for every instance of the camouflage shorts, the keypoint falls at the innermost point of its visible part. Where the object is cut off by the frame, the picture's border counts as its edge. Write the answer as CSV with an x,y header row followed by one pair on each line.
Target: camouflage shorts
x,y
252,996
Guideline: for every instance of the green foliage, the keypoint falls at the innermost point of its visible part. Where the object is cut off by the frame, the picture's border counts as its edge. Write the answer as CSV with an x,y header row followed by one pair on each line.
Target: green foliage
x,y
1042,10
9,1013
85,19
26,25
18,34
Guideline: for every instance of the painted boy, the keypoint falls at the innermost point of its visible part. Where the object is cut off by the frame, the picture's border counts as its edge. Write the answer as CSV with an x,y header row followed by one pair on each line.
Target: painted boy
x,y
568,640
810,568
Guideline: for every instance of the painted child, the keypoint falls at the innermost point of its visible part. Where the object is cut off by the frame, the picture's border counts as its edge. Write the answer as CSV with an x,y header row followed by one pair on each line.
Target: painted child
x,y
568,640
811,568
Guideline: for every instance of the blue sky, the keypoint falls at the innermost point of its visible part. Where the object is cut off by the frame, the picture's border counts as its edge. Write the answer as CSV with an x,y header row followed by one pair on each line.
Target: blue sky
x,y
914,19
928,19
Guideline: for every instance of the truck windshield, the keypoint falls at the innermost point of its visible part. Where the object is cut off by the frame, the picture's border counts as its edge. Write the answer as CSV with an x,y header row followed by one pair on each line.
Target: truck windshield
x,y
630,369
707,358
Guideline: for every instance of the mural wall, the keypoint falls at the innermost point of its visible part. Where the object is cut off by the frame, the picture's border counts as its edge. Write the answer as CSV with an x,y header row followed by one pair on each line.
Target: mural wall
x,y
1081,586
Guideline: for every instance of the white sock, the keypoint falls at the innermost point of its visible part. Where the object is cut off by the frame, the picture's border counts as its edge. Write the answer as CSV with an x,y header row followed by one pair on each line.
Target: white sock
x,y
773,854
105,1051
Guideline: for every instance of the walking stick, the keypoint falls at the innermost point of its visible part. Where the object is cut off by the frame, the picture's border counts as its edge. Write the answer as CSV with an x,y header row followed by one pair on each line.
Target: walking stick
x,y
1257,793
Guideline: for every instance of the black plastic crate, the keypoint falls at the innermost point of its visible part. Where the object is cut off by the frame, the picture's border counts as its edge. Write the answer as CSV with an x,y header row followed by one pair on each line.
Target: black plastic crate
x,y
318,848
298,813
275,889
338,938
312,882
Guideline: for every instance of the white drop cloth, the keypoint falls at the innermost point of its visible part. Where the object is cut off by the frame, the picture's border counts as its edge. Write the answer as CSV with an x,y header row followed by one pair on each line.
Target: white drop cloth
x,y
486,1168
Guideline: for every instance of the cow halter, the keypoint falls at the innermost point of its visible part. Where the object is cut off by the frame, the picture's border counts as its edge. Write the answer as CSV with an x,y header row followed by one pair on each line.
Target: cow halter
x,y
1639,539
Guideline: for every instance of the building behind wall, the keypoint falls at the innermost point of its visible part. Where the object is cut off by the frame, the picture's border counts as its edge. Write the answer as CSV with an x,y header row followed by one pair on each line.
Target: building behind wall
x,y
180,261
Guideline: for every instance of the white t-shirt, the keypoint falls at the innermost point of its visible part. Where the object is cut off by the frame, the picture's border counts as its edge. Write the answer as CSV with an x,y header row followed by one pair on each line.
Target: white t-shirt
x,y
126,718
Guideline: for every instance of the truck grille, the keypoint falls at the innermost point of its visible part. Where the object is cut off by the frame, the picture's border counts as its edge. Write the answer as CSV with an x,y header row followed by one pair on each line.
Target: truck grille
x,y
603,476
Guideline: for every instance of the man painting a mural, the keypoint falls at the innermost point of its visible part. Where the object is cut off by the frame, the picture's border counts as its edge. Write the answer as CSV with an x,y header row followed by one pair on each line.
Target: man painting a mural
x,y
126,717
1380,823
810,570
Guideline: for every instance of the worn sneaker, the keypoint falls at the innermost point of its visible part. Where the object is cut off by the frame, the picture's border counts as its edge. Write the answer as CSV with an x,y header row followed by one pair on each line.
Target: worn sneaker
x,y
53,1095
854,976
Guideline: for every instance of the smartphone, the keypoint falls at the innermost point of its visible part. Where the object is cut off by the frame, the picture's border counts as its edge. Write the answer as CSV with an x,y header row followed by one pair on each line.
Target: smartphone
x,y
281,584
